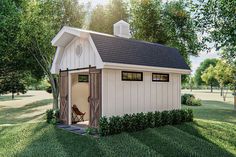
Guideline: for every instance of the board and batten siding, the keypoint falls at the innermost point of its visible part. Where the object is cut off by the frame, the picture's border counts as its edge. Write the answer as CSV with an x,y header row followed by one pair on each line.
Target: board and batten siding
x,y
72,60
126,97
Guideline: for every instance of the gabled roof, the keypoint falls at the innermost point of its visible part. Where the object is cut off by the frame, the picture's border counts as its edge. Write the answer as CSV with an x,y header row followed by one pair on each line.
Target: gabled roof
x,y
128,51
115,50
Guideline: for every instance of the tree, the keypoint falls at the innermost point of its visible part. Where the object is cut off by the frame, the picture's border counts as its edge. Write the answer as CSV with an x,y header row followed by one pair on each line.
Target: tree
x,y
191,83
224,74
97,22
216,18
229,55
103,17
40,21
9,27
208,77
200,70
165,23
13,83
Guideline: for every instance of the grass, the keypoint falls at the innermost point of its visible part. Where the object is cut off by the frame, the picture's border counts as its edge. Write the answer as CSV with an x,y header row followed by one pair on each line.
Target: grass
x,y
199,138
27,108
16,97
211,134
9,115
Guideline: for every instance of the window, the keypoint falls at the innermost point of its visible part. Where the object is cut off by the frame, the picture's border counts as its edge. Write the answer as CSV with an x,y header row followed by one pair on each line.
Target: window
x,y
157,77
78,50
132,76
83,78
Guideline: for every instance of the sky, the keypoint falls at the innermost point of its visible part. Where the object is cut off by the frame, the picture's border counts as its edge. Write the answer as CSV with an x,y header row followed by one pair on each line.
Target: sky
x,y
195,60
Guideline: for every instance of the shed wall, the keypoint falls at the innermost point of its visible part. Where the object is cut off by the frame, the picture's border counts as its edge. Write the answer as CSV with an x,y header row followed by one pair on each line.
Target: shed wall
x,y
125,97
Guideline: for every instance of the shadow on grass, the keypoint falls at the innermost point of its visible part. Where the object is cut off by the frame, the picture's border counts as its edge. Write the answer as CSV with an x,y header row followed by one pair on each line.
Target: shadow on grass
x,y
17,97
42,139
214,110
171,141
16,115
48,140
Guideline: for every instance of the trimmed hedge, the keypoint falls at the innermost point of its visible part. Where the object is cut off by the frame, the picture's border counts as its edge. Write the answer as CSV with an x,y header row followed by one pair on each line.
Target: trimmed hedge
x,y
141,121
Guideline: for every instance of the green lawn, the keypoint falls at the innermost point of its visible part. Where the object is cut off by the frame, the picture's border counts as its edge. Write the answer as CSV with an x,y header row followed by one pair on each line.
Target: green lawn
x,y
211,134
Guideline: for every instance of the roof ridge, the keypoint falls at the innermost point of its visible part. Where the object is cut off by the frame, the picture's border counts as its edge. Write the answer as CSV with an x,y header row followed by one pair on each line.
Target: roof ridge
x,y
109,35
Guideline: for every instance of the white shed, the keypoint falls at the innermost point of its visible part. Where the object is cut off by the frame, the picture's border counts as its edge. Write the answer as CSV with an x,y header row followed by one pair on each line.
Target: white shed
x,y
106,75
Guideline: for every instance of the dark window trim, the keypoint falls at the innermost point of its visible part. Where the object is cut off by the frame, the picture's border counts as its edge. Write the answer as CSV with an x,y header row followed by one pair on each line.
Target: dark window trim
x,y
161,80
83,75
131,72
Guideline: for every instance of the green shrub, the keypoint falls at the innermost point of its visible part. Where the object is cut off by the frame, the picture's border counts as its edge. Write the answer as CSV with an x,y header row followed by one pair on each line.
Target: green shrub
x,y
157,119
164,117
115,125
127,124
193,102
49,89
185,97
49,115
91,131
177,118
103,126
189,115
150,121
184,115
52,116
169,118
140,121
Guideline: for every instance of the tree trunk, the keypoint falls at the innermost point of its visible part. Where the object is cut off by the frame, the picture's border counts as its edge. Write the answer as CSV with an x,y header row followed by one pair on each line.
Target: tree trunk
x,y
12,95
211,88
55,91
225,94
221,91
234,101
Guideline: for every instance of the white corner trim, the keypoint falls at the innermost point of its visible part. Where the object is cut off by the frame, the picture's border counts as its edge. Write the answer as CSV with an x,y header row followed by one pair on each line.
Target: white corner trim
x,y
99,62
56,60
108,65
69,98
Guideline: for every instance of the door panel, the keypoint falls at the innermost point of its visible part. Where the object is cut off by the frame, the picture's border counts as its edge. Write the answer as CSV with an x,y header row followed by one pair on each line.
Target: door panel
x,y
95,96
63,85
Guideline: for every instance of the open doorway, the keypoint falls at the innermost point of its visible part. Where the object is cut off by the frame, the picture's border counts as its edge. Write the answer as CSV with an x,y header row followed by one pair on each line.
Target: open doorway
x,y
79,99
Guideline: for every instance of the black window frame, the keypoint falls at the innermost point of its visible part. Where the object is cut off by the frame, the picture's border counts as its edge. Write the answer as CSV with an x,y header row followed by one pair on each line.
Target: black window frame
x,y
85,80
168,76
132,73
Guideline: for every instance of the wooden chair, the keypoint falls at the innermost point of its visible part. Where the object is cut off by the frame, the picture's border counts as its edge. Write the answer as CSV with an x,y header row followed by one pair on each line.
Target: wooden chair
x,y
78,116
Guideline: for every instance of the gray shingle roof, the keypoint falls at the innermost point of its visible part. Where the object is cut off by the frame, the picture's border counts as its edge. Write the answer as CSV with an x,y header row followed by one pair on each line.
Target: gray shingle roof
x,y
128,51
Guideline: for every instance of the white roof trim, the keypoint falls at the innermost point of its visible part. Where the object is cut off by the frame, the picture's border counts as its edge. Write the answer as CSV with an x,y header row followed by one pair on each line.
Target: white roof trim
x,y
109,65
71,31
100,63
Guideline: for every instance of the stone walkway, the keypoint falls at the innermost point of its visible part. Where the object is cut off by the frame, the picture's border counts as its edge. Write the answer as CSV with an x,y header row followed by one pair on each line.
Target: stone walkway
x,y
73,128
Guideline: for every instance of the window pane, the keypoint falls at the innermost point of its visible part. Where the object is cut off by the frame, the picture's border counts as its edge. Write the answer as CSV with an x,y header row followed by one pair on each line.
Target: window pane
x,y
131,76
160,77
83,78
124,76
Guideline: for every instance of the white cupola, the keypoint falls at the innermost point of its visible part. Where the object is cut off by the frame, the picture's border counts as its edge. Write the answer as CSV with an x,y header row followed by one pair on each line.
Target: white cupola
x,y
121,29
